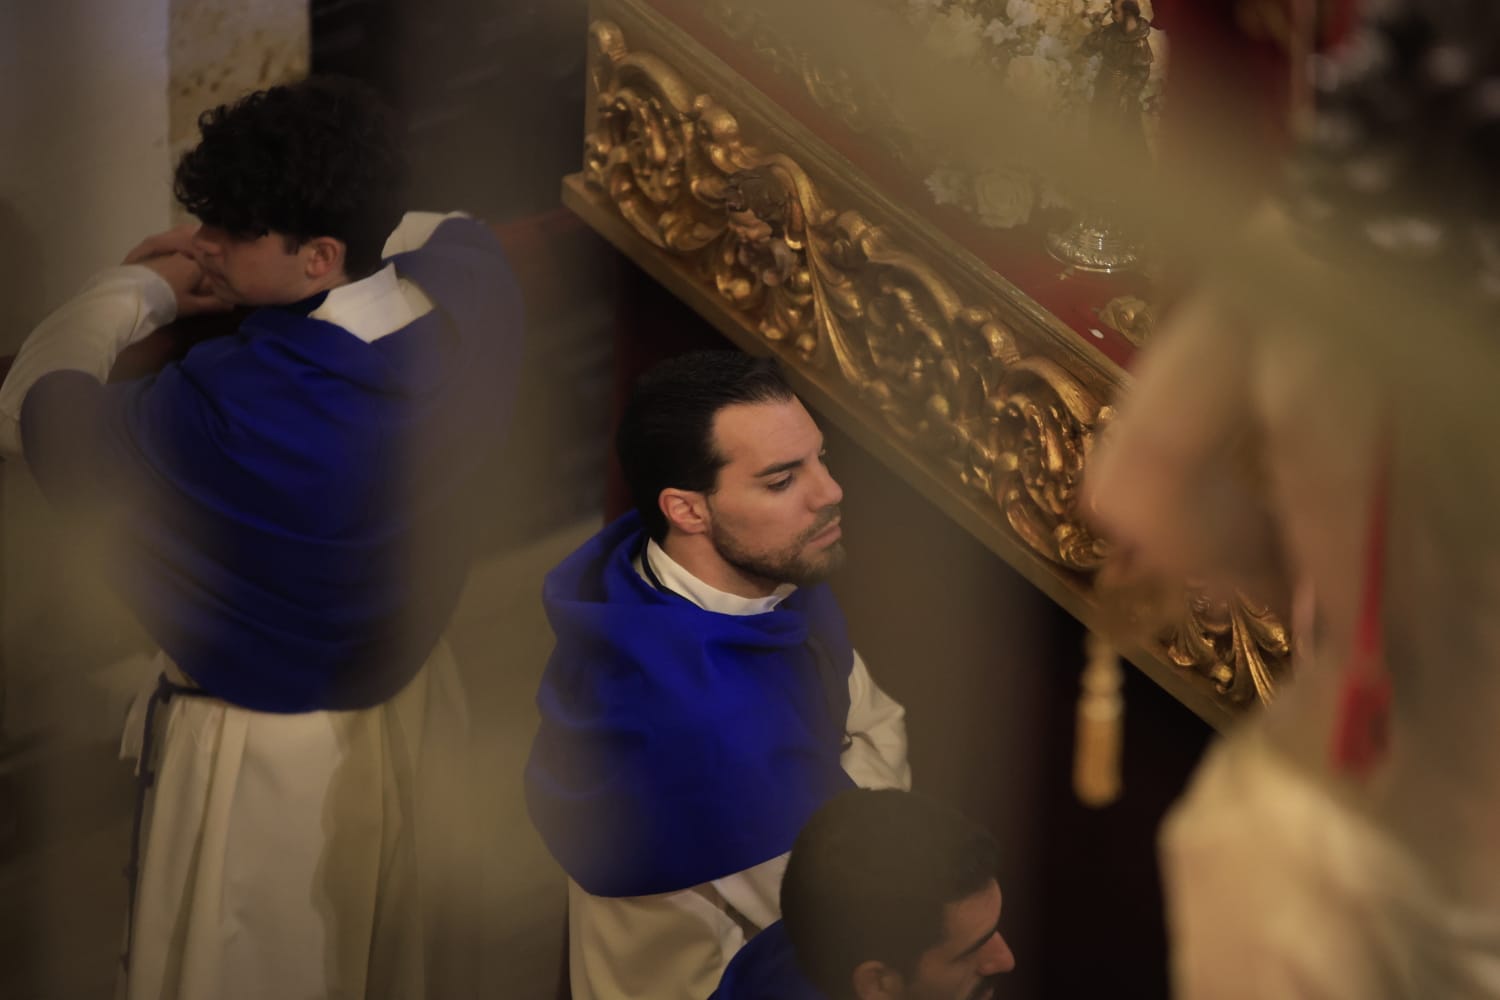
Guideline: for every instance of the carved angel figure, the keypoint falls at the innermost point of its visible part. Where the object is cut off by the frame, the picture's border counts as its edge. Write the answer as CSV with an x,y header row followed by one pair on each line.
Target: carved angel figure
x,y
761,212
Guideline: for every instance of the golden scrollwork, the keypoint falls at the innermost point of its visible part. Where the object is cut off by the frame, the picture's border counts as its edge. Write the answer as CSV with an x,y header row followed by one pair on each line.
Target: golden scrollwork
x,y
1045,432
1236,642
1133,316
838,295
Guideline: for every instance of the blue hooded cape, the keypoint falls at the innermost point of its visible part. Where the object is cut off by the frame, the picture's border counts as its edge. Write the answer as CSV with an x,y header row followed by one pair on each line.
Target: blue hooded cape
x,y
766,969
282,504
678,745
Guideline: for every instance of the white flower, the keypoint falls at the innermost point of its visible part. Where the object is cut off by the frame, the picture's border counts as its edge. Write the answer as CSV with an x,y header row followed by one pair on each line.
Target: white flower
x,y
1003,198
1000,32
1034,79
955,35
1051,47
946,185
1022,13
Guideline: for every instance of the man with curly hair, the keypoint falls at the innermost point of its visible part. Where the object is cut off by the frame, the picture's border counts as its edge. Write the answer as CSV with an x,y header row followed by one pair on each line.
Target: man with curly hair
x,y
281,507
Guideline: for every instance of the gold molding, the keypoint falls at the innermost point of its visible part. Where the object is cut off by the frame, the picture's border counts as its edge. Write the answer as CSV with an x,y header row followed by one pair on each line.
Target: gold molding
x,y
940,380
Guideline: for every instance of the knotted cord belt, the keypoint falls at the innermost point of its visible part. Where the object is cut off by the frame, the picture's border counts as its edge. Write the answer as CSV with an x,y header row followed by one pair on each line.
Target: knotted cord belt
x,y
165,691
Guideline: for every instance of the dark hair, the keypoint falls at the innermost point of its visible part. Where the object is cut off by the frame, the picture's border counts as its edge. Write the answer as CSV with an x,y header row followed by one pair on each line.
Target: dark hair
x,y
666,435
315,158
870,877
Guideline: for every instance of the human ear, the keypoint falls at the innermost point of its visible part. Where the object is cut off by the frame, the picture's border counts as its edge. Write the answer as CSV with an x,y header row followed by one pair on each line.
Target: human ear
x,y
874,980
684,510
323,256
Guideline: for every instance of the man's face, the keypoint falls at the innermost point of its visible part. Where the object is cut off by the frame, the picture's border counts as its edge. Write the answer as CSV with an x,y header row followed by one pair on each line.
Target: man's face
x,y
251,271
774,514
966,962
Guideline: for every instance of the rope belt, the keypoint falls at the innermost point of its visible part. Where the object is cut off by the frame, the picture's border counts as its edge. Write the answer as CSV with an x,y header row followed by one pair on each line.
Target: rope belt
x,y
165,691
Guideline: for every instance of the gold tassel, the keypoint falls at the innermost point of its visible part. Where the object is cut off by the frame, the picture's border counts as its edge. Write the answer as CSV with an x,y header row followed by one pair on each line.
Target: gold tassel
x,y
1100,733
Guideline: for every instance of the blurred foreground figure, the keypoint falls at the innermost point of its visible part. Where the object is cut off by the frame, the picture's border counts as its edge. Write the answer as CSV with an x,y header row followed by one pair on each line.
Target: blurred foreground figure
x,y
280,509
888,896
703,698
1332,423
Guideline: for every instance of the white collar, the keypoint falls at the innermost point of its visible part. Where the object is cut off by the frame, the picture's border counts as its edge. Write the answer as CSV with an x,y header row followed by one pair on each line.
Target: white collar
x,y
374,306
709,598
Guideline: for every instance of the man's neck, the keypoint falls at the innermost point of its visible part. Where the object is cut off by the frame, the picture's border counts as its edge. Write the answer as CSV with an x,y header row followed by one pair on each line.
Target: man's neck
x,y
697,555
329,283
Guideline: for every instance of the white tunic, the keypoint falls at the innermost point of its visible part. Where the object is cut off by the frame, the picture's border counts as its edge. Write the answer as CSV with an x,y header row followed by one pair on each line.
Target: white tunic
x,y
675,945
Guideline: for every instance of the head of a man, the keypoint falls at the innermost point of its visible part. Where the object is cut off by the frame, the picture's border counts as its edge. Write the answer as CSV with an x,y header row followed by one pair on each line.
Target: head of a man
x,y
892,896
296,189
727,469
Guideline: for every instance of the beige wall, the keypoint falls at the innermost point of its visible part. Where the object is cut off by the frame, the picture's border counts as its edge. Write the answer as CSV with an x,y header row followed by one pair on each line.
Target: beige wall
x,y
83,130
221,49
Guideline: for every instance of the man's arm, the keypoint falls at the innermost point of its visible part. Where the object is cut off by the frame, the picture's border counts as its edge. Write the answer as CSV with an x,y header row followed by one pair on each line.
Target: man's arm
x,y
159,281
115,309
876,757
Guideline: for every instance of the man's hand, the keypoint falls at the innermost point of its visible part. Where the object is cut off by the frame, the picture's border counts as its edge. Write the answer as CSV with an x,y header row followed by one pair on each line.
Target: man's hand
x,y
170,254
178,239
186,278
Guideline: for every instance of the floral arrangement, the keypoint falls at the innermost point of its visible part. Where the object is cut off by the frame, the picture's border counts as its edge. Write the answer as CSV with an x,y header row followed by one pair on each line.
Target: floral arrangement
x,y
1035,50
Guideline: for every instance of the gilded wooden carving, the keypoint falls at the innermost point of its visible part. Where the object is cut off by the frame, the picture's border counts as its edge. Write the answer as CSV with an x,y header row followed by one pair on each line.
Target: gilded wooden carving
x,y
834,292
1238,643
1134,317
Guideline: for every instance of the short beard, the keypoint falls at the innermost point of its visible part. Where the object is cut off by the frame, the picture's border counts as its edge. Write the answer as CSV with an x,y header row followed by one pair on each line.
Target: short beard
x,y
789,565
987,987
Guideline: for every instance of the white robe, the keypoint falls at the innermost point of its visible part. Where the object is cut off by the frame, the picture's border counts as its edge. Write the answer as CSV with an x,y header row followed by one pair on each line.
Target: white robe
x,y
280,853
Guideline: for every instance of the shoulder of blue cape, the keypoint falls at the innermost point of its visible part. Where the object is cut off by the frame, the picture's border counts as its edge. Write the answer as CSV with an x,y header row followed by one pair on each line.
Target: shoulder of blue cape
x,y
289,396
766,969
678,745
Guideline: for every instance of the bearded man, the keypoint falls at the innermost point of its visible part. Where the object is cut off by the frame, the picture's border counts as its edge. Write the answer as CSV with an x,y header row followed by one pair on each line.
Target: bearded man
x,y
703,699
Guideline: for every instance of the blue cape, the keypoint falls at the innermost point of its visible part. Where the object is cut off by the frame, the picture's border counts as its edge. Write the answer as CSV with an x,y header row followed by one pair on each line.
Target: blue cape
x,y
282,502
766,969
678,745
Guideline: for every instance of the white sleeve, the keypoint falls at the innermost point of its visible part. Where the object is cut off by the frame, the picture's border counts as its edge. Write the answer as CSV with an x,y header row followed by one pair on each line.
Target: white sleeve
x,y
755,892
672,946
415,230
876,756
116,308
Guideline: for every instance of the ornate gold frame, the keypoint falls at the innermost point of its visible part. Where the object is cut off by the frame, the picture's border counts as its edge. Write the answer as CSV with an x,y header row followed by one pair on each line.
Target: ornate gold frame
x,y
956,380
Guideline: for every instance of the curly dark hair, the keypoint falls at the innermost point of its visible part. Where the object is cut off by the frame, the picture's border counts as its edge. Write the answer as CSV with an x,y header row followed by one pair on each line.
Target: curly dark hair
x,y
316,158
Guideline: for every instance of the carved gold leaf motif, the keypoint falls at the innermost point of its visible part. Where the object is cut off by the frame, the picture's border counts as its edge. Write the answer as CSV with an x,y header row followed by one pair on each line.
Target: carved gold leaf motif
x,y
836,293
